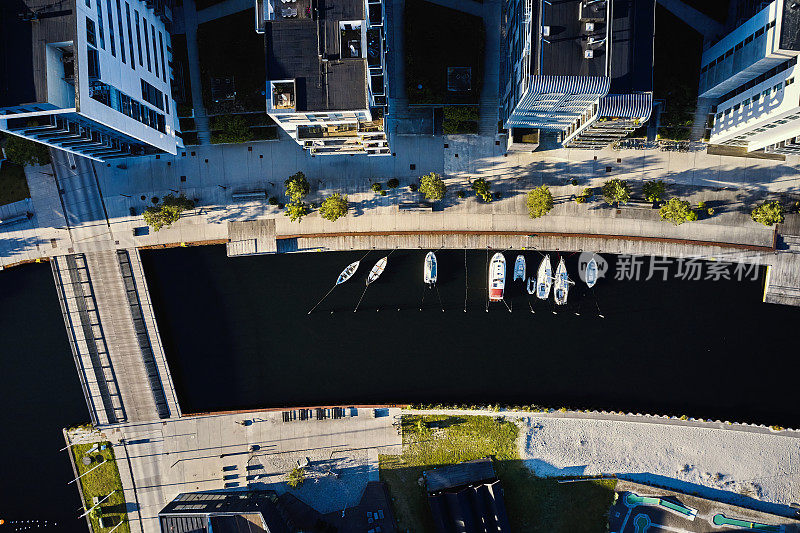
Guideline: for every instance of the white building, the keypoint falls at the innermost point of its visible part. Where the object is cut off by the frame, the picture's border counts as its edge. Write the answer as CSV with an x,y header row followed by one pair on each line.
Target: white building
x,y
91,77
751,72
326,73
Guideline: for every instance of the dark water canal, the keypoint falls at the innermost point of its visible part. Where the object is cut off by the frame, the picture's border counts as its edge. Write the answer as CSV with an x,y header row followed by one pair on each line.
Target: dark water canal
x,y
237,335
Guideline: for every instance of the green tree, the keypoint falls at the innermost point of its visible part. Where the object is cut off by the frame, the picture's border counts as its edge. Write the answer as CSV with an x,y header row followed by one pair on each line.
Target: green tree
x,y
677,211
297,187
333,207
482,189
231,129
616,191
296,210
162,216
24,152
432,186
296,477
654,190
539,201
393,183
376,187
768,213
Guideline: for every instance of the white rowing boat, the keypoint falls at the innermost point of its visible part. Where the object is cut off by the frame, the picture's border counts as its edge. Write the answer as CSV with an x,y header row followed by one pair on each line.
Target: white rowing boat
x,y
430,271
561,284
377,270
497,277
591,273
519,268
348,272
531,285
544,278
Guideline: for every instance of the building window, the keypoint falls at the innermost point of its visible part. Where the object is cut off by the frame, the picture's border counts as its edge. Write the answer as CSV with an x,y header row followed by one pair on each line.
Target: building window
x,y
152,96
93,63
91,38
111,28
121,36
155,50
163,65
789,81
147,44
138,37
130,34
100,25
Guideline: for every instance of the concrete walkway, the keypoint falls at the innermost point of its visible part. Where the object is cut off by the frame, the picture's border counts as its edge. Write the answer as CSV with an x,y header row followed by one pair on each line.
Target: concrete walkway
x,y
190,21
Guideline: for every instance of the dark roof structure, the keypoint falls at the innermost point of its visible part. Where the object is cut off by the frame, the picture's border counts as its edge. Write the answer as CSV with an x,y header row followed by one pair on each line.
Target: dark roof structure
x,y
562,52
466,497
315,53
790,27
632,31
222,512
23,64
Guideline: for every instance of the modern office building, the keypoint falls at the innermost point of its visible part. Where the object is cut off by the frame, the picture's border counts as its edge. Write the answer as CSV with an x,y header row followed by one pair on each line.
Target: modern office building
x,y
326,76
751,74
580,68
91,77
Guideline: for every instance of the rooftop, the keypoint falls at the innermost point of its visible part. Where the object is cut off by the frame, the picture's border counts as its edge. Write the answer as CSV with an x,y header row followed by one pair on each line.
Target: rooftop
x,y
790,27
632,36
324,54
573,39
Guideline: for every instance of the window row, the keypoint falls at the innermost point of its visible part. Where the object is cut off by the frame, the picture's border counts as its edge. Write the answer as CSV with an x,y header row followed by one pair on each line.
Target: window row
x,y
739,46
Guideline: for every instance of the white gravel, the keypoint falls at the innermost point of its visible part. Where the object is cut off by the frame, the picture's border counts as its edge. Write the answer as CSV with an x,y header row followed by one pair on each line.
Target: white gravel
x,y
755,469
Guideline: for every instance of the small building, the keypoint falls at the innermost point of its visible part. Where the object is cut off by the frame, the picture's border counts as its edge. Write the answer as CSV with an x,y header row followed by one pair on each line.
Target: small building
x,y
223,512
582,69
326,79
466,497
91,77
750,75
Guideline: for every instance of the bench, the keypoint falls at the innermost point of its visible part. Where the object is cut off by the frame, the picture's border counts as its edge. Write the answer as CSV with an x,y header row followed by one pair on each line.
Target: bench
x,y
415,206
252,195
638,204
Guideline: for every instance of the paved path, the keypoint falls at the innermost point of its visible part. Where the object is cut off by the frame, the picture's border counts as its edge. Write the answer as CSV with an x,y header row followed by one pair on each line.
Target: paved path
x,y
190,21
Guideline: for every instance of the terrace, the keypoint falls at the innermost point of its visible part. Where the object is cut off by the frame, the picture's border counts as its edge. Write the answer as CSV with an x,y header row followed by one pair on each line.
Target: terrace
x,y
269,10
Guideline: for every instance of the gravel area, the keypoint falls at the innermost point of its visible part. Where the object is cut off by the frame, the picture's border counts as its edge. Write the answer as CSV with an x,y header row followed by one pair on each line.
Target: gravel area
x,y
757,470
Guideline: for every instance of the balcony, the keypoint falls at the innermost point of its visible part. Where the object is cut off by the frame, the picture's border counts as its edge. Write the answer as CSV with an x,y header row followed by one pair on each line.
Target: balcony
x,y
282,96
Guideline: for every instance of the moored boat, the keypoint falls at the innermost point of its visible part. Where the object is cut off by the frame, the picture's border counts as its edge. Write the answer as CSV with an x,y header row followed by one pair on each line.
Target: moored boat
x,y
531,285
377,270
348,272
519,268
591,273
561,284
497,277
544,278
431,269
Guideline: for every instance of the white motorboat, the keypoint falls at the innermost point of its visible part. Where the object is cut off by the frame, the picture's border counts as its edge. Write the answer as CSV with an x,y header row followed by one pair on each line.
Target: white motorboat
x,y
497,277
431,269
519,268
561,289
531,285
591,273
544,278
377,270
348,272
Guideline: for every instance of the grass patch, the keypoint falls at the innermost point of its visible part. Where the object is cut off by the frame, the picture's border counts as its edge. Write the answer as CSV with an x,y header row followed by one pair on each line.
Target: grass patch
x,y
240,55
100,482
437,37
534,504
13,185
459,120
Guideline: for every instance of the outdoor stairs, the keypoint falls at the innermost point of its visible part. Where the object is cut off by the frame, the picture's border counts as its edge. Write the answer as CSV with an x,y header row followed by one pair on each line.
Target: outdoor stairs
x,y
487,123
698,132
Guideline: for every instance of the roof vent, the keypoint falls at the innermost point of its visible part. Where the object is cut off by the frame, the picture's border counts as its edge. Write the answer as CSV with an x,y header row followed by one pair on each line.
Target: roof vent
x,y
588,54
546,31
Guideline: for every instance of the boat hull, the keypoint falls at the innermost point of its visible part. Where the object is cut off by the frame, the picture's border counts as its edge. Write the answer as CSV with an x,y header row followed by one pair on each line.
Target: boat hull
x,y
431,270
561,291
377,270
497,277
348,272
544,279
591,273
519,268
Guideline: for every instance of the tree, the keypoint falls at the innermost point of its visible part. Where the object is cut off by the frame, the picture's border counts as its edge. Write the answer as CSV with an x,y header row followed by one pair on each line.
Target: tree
x,y
296,477
654,191
232,129
296,210
432,186
616,191
539,201
376,187
482,189
393,183
24,152
297,187
677,211
768,213
333,207
160,216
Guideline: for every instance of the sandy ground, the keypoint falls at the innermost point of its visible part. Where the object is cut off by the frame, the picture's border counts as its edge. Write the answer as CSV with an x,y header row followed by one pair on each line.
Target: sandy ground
x,y
757,470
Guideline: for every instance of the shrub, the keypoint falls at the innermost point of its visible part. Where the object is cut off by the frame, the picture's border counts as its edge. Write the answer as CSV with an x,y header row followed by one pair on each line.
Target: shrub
x,y
768,213
701,205
376,187
461,194
413,187
382,193
168,212
574,181
296,211
296,477
393,183
580,199
333,207
482,189
654,191
232,129
677,211
616,191
710,211
297,187
539,201
432,186
24,152
273,200
587,193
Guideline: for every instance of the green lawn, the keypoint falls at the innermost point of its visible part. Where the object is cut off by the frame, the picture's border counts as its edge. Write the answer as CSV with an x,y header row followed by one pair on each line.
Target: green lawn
x,y
100,482
534,504
13,186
